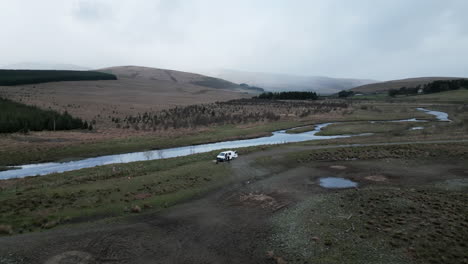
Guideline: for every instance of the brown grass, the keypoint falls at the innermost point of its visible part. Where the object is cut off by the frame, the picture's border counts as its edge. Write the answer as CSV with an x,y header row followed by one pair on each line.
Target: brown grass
x,y
6,230
136,90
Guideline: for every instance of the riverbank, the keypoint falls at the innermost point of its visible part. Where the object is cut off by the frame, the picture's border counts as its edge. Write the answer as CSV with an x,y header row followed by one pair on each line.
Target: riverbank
x,y
74,145
278,137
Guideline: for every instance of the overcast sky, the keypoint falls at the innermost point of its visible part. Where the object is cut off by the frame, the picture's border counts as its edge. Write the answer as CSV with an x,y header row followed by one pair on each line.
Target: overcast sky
x,y
378,39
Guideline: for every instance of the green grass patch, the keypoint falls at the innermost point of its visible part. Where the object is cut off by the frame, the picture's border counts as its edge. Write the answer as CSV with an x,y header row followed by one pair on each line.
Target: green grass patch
x,y
359,112
455,96
455,151
41,202
352,128
77,151
375,111
301,129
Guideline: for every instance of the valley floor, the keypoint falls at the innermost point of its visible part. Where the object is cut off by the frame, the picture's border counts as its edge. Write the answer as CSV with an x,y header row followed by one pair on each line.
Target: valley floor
x,y
410,203
267,206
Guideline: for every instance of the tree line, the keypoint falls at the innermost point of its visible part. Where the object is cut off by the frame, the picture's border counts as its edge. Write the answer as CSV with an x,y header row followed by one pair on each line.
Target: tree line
x,y
288,96
18,117
432,87
17,77
345,93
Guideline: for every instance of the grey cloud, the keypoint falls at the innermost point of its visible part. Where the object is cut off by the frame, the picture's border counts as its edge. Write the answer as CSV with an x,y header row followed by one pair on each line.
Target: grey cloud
x,y
339,38
90,11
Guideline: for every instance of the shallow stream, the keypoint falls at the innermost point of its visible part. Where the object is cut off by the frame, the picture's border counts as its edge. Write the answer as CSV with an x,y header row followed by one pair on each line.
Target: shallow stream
x,y
277,137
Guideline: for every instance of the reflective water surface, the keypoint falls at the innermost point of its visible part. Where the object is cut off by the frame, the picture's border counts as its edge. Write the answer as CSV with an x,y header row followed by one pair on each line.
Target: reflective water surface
x,y
336,183
278,137
441,116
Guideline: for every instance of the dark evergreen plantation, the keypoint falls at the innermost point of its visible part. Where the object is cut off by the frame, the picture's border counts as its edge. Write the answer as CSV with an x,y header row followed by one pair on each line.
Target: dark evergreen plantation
x,y
17,117
17,77
289,96
432,87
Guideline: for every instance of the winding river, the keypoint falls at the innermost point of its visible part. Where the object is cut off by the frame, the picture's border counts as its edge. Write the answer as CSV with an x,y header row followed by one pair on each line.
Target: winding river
x,y
277,137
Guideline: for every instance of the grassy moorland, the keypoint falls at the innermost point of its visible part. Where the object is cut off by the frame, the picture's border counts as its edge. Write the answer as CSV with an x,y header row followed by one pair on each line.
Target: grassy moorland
x,y
391,218
12,155
42,202
408,207
456,97
366,127
375,225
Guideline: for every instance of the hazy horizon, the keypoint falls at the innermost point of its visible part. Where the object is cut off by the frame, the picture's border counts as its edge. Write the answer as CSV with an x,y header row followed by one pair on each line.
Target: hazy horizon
x,y
340,39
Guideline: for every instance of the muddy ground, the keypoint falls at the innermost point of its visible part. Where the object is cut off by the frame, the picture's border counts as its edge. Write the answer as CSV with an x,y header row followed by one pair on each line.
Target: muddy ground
x,y
276,212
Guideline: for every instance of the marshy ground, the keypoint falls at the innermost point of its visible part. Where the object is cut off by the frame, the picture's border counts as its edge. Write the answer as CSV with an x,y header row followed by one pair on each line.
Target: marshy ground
x,y
405,210
265,207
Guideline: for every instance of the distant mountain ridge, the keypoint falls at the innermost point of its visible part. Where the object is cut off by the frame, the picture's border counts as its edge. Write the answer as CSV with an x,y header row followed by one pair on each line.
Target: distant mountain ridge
x,y
397,84
43,66
283,82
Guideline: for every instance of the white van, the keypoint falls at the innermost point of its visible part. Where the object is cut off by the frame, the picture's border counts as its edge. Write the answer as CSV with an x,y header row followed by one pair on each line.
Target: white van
x,y
226,156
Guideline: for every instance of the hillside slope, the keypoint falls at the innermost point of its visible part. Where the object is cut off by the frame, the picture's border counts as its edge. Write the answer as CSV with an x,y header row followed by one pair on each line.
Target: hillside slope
x,y
179,77
397,84
137,90
282,82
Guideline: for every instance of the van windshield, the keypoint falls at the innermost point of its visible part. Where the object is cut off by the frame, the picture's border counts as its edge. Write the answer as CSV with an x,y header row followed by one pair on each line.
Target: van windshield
x,y
221,154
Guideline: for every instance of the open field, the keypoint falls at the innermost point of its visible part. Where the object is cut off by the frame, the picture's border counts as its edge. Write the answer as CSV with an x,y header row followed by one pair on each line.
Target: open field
x,y
353,128
106,138
271,205
43,202
59,151
456,96
397,84
267,206
366,127
56,146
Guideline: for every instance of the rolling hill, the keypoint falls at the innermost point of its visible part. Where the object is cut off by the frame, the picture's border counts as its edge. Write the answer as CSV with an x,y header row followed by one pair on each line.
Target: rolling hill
x,y
282,82
136,90
179,77
397,84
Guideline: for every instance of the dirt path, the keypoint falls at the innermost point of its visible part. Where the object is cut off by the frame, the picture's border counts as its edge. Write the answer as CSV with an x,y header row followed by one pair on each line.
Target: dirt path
x,y
227,226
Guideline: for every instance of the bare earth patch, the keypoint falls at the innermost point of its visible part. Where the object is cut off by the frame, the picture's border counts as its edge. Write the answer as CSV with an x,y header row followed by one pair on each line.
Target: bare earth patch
x,y
262,200
338,167
142,196
376,178
77,257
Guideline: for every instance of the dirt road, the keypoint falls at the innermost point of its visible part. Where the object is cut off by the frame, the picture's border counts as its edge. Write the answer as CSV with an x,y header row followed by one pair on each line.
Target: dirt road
x,y
229,225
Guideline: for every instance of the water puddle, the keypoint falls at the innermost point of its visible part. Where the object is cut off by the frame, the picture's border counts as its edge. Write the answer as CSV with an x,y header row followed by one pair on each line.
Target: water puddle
x,y
336,183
